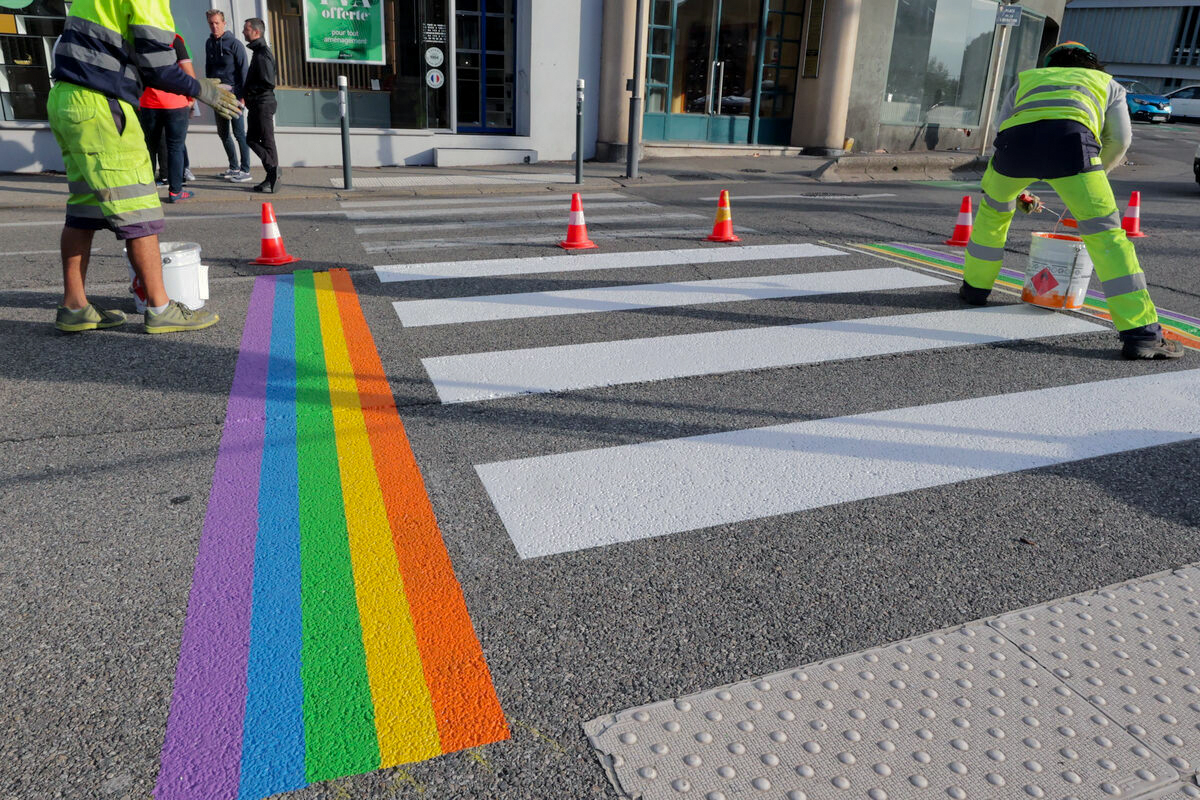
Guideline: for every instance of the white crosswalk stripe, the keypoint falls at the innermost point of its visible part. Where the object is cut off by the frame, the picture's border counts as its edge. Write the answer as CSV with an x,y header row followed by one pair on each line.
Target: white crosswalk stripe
x,y
560,502
483,376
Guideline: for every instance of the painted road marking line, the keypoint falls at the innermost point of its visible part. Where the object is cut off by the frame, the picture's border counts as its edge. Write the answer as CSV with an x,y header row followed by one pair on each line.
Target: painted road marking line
x,y
490,375
470,241
426,202
463,213
943,701
455,180
418,313
576,263
592,219
1182,327
326,633
181,217
574,501
804,197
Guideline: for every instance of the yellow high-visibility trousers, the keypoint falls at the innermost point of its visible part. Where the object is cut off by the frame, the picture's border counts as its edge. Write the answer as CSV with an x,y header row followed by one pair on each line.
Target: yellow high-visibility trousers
x,y
1089,197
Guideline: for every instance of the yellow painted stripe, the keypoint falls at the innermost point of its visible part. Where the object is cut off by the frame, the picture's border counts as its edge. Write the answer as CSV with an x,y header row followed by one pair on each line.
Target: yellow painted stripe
x,y
404,717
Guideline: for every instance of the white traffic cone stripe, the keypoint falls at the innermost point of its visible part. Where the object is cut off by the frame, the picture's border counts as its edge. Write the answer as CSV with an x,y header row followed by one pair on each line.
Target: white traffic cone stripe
x,y
271,230
576,218
1134,212
964,218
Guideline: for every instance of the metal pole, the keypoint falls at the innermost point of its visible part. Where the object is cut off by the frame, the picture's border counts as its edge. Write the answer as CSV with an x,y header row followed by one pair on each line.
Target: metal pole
x,y
579,131
635,101
344,109
989,109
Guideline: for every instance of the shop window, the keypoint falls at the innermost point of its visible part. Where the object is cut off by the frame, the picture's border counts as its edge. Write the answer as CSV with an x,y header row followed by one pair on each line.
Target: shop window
x,y
26,41
486,65
940,61
1024,45
401,93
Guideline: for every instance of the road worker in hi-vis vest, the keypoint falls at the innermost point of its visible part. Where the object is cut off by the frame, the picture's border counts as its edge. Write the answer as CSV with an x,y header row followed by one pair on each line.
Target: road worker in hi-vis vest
x,y
110,50
1067,124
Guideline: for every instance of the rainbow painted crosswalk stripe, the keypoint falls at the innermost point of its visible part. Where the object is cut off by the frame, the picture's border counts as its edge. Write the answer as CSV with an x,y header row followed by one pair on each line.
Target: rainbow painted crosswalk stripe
x,y
326,634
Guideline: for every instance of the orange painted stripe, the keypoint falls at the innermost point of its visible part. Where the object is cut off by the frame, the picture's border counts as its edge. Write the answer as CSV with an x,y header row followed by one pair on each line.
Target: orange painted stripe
x,y
465,705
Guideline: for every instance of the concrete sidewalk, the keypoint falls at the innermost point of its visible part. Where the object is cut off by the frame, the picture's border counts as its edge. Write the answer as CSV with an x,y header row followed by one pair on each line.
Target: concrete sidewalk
x,y
42,190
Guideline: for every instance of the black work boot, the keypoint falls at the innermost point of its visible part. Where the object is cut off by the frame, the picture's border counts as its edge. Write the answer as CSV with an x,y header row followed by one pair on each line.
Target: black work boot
x,y
1160,348
1147,341
973,296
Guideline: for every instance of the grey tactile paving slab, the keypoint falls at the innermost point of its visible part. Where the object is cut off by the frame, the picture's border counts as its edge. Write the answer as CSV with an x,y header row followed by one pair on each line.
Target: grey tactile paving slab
x,y
961,714
1132,651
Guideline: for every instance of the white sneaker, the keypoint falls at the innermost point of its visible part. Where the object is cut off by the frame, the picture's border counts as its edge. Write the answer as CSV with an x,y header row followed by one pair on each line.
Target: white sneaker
x,y
241,177
228,174
188,176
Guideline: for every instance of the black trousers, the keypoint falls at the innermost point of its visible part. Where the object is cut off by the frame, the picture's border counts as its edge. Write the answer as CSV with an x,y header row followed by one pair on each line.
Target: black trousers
x,y
260,131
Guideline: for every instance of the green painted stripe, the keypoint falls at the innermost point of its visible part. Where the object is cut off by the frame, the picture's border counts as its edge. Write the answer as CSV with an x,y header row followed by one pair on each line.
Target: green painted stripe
x,y
339,718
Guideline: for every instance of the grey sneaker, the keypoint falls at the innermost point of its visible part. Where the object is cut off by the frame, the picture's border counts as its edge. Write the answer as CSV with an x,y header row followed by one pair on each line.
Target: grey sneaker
x,y
88,318
228,174
178,317
1163,348
241,177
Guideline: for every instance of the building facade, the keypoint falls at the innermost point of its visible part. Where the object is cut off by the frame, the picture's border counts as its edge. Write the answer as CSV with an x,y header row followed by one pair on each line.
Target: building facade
x,y
463,82
1154,41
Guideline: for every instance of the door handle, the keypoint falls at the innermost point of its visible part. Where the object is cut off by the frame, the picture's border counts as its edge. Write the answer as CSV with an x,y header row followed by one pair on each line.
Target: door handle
x,y
712,78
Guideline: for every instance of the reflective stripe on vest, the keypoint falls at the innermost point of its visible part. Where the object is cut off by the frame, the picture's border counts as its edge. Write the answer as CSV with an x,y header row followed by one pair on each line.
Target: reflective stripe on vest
x,y
1061,93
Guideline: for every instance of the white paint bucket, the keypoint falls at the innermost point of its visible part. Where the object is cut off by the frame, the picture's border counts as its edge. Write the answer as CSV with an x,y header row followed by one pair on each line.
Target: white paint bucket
x,y
1058,273
184,277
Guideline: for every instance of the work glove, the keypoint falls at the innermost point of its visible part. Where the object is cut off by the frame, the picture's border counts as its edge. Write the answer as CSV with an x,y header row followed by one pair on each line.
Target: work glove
x,y
223,101
1029,202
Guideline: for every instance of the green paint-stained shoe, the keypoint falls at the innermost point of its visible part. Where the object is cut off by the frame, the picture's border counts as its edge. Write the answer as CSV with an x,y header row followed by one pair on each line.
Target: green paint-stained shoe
x,y
88,318
178,317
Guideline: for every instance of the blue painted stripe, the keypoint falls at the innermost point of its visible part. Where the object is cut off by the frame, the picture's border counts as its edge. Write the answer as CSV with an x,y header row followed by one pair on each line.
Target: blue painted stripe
x,y
273,747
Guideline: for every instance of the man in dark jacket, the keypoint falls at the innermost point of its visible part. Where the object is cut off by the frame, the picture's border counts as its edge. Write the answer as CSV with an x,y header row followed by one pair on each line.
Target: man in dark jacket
x,y
260,102
225,59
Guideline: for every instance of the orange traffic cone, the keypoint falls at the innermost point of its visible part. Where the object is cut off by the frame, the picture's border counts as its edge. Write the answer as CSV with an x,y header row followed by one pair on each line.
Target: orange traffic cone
x,y
273,252
962,229
577,235
723,225
1132,221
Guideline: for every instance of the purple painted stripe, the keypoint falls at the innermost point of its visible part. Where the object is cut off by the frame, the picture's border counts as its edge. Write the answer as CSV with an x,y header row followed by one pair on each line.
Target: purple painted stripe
x,y
202,751
1012,273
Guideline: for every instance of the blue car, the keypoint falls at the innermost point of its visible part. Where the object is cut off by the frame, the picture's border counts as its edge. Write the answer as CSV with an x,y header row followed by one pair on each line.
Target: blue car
x,y
1145,103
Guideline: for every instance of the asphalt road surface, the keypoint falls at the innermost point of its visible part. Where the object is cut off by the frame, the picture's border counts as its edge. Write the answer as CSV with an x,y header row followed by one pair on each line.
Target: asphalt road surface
x,y
668,466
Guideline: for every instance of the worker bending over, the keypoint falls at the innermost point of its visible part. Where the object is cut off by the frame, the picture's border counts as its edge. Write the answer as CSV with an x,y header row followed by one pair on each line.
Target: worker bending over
x,y
1067,124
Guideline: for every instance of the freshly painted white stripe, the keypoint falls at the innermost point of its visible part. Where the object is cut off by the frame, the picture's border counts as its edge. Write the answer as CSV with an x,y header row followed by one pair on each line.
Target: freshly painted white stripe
x,y
513,223
55,251
485,376
255,215
471,241
426,202
734,199
496,211
417,313
572,501
593,260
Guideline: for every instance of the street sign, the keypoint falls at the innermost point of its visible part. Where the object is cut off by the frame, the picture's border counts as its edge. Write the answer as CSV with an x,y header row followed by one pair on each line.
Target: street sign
x,y
1008,15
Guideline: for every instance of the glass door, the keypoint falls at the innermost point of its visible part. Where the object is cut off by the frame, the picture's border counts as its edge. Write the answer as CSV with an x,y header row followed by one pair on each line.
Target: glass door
x,y
703,68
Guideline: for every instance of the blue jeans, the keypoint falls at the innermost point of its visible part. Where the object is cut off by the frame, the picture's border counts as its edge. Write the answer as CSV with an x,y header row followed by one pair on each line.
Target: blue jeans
x,y
171,123
238,132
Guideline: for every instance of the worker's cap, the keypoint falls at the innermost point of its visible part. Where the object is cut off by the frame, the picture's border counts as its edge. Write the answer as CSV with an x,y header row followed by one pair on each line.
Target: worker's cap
x,y
1061,47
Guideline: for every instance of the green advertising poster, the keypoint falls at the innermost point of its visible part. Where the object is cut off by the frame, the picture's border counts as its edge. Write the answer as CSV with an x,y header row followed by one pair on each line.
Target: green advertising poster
x,y
344,31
